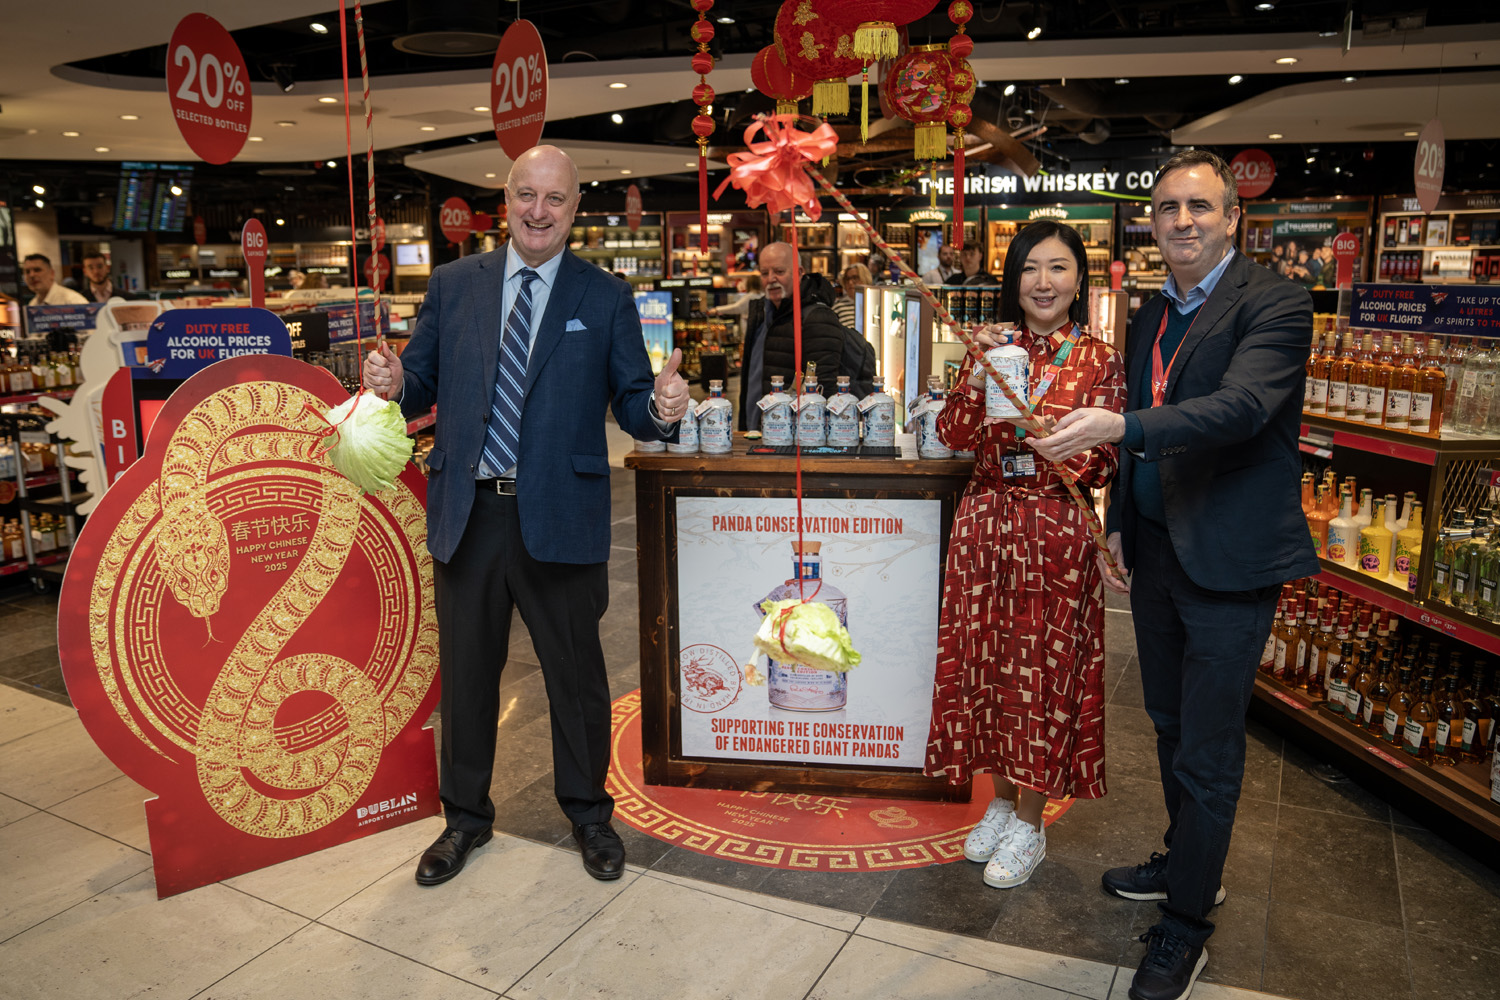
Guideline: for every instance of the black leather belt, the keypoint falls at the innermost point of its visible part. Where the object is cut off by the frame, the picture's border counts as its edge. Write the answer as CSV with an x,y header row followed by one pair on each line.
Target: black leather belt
x,y
504,487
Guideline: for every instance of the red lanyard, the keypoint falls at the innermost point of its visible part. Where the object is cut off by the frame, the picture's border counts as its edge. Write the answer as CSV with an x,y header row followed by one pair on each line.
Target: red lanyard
x,y
1159,375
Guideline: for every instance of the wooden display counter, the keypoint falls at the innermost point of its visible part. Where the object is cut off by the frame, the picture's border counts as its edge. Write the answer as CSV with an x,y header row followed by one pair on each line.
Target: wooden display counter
x,y
715,533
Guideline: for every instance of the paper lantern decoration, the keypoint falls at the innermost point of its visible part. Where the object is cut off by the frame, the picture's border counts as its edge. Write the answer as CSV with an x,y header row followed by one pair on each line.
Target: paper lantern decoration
x,y
960,45
770,75
820,47
875,35
703,96
917,87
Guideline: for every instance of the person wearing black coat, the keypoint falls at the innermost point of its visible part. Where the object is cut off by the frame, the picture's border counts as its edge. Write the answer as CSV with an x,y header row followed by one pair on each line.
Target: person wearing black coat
x,y
769,342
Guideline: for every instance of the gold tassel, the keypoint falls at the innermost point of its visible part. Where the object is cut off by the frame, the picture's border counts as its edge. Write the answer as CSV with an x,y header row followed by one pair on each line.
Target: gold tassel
x,y
931,142
830,97
931,183
876,40
786,107
864,107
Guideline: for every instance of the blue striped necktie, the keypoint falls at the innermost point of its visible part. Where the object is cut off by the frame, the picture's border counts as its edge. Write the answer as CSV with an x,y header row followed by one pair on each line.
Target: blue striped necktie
x,y
502,440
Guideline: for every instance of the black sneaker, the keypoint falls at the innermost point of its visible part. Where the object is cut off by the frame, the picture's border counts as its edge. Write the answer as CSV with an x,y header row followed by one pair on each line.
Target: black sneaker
x,y
1147,881
1170,967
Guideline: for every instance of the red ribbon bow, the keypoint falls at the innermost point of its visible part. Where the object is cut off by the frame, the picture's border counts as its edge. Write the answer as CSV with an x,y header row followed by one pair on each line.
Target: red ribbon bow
x,y
772,173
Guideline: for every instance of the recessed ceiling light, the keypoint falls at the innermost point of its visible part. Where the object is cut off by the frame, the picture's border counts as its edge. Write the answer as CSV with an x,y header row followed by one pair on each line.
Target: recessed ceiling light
x,y
256,138
1327,33
1034,33
1265,6
1010,88
318,29
1350,79
40,203
617,85
71,134
38,189
427,128
1312,159
726,19
624,171
331,163
690,163
1275,135
1412,134
617,118
1236,78
280,221
1122,79
286,124
130,118
489,175
101,149
593,184
328,100
1287,61
481,108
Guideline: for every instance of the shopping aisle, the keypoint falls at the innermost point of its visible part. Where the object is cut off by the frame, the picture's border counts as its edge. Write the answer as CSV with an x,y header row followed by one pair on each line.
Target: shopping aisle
x,y
1332,894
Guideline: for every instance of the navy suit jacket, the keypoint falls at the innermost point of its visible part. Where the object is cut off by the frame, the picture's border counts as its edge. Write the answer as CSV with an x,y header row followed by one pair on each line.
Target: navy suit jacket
x,y
1225,443
588,354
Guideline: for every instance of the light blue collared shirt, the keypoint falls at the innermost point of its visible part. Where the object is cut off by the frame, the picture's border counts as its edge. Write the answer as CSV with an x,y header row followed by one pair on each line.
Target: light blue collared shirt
x,y
1199,294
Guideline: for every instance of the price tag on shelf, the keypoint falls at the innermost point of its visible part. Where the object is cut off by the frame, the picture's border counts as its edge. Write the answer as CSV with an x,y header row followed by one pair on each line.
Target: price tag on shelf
x,y
1254,170
208,88
1288,699
456,220
1427,169
518,88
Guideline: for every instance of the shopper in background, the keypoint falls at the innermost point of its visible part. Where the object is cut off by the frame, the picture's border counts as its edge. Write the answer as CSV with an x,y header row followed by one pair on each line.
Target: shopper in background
x,y
855,277
741,306
769,343
518,502
36,270
940,274
1019,690
98,286
1207,514
972,270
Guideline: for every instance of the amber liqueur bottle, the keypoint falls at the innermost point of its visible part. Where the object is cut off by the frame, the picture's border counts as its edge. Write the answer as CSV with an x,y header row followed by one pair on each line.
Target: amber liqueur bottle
x,y
1448,736
1315,396
1378,699
1338,680
1419,733
1317,655
1378,386
1359,379
1361,679
1268,655
1286,640
1339,368
1301,643
1402,696
1427,397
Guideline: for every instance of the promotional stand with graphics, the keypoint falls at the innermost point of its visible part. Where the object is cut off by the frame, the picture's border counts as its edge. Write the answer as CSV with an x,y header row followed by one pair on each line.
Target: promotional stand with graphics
x,y
717,535
242,630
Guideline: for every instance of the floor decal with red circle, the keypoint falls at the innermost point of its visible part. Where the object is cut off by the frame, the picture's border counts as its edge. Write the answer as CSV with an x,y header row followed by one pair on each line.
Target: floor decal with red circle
x,y
817,833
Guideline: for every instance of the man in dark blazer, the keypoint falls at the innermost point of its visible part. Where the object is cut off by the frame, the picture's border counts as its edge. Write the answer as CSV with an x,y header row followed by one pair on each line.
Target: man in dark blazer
x,y
1207,516
518,493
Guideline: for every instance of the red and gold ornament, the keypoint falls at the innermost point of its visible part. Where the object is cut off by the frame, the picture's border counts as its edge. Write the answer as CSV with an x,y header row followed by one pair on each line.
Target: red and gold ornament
x,y
703,96
961,82
770,75
818,45
917,87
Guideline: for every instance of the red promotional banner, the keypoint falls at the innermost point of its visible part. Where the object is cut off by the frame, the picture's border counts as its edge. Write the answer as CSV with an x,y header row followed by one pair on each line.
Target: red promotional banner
x,y
1254,170
377,270
252,637
455,220
208,88
1427,170
253,246
117,414
633,208
518,88
1345,252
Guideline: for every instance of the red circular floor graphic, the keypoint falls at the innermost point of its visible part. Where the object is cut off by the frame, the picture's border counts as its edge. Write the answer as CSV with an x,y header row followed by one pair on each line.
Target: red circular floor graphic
x,y
815,833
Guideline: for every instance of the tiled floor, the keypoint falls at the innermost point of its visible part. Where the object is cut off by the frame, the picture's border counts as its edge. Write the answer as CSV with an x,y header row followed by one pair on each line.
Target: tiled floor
x,y
1332,893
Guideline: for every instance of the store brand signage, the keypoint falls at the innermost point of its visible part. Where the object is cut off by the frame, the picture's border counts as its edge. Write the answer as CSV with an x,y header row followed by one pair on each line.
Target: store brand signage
x,y
1048,212
208,88
225,272
928,215
1107,182
178,273
1345,252
1442,309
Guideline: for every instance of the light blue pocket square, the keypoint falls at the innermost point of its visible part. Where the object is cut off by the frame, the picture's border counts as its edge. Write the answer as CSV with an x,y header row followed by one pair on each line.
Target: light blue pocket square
x,y
574,324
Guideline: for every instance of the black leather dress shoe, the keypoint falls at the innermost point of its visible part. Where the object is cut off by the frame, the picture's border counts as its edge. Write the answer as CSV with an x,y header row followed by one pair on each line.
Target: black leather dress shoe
x,y
446,857
603,852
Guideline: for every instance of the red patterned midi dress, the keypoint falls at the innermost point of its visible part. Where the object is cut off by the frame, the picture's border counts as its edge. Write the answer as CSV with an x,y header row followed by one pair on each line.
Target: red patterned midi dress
x,y
1020,669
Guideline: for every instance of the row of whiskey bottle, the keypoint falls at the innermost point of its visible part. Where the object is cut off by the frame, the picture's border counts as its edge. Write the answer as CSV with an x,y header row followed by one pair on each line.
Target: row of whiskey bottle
x,y
1377,536
37,370
1383,683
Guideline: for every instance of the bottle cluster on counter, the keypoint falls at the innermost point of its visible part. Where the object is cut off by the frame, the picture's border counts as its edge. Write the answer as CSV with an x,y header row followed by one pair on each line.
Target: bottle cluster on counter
x,y
1433,701
36,369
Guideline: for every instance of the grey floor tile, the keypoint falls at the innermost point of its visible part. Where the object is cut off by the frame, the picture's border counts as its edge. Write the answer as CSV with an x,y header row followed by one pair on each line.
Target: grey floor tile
x,y
1129,745
1062,909
706,868
51,865
318,962
1263,764
1252,849
1128,690
53,764
665,941
950,898
866,968
1444,969
116,809
811,912
23,713
533,813
32,662
852,891
1123,827
28,632
1447,894
1311,784
1336,864
520,759
124,942
1315,955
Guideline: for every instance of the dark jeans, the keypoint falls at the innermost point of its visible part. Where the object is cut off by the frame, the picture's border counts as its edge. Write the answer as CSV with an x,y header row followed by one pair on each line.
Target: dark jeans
x,y
1199,651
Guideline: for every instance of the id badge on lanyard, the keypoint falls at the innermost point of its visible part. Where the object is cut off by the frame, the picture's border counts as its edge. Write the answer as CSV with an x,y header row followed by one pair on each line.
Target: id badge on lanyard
x,y
1050,373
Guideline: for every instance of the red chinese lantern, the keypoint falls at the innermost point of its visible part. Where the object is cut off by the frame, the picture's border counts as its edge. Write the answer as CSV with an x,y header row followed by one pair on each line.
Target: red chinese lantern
x,y
875,35
917,87
770,75
703,96
820,47
961,85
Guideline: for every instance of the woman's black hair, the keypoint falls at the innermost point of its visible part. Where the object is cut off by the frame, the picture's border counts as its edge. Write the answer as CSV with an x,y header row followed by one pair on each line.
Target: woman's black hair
x,y
1015,259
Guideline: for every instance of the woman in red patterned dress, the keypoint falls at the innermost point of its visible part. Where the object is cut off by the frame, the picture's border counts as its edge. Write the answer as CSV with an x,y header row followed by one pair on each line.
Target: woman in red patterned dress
x,y
1019,690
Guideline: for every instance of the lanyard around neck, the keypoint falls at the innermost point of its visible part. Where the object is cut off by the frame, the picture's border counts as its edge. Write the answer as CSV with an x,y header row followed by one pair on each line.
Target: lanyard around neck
x,y
1161,374
1050,373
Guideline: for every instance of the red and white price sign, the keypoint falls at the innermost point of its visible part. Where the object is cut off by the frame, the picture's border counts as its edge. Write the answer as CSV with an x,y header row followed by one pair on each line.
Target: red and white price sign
x,y
208,87
482,223
1254,170
200,231
1427,171
518,88
633,208
1116,274
377,270
377,234
1345,252
253,246
455,220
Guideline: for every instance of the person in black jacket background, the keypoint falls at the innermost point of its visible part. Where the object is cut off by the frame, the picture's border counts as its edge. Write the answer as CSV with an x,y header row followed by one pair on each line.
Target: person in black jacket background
x,y
769,341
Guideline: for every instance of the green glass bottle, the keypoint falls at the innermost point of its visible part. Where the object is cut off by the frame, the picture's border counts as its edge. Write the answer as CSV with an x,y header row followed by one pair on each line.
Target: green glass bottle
x,y
1466,565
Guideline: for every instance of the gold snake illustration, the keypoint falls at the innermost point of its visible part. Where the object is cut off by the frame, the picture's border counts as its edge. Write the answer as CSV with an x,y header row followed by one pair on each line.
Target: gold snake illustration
x,y
235,733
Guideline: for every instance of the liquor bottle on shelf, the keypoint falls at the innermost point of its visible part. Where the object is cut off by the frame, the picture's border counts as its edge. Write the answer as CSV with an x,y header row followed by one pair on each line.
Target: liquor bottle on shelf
x,y
1315,395
1418,733
1445,547
1377,699
1476,390
687,434
1486,579
1402,697
1392,514
12,542
1362,678
1338,679
1300,645
1340,364
1404,379
1317,655
879,411
1268,655
1408,557
1479,716
1359,379
1447,738
1364,513
1466,565
716,421
1454,355
812,412
1285,639
776,415
1307,494
1375,545
843,416
1381,373
1324,509
929,444
1427,398
1343,533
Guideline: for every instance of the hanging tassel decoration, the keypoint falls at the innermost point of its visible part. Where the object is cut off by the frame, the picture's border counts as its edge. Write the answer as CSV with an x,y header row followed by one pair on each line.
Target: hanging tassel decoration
x,y
703,123
864,106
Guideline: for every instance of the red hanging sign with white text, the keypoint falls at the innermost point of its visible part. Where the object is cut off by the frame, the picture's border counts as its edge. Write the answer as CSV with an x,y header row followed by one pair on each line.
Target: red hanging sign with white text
x,y
253,247
1427,170
455,219
208,88
1254,170
518,88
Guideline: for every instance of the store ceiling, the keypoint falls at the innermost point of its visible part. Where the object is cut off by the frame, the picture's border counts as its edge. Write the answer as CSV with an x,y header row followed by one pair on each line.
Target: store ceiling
x,y
84,70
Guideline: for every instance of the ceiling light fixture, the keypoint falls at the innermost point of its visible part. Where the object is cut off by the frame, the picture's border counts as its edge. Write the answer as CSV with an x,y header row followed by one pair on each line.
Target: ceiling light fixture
x,y
331,163
38,189
593,184
40,203
1312,159
282,74
1034,33
1122,80
491,176
1275,135
1411,134
1287,61
176,191
280,221
617,85
1350,79
130,118
482,108
1236,79
1010,88
286,124
71,134
1263,7
617,118
328,100
427,128
101,149
318,29
726,19
624,171
256,138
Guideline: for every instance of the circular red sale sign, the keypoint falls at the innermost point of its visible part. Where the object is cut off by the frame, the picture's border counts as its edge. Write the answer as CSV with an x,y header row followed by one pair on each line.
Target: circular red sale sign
x,y
209,89
1427,171
482,223
377,270
633,207
518,88
455,219
377,234
1254,170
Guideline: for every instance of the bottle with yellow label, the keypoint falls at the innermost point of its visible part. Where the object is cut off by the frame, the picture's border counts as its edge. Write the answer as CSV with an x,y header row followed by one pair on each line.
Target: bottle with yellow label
x,y
1375,544
1408,557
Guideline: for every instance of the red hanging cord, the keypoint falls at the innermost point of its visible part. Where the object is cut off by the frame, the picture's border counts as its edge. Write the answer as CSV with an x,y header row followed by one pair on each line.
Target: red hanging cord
x,y
958,193
797,409
359,339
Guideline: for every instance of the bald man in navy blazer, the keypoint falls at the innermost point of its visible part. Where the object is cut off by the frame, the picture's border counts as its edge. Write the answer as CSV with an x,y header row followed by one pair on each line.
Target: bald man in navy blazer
x,y
518,493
